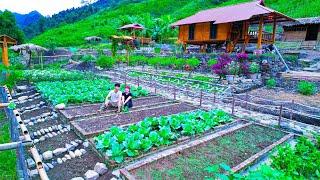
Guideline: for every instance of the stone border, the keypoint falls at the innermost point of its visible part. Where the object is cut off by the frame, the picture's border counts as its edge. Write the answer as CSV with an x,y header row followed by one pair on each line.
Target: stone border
x,y
124,172
179,142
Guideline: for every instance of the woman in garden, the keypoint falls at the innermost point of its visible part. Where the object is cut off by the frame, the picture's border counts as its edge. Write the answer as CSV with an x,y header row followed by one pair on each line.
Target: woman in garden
x,y
127,98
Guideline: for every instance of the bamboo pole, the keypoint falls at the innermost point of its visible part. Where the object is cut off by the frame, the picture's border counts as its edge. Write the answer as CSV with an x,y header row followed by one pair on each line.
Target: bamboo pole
x,y
274,28
39,165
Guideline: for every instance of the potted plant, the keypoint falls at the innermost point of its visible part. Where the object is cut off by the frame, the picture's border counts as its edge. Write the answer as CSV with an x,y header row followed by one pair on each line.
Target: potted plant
x,y
254,70
233,70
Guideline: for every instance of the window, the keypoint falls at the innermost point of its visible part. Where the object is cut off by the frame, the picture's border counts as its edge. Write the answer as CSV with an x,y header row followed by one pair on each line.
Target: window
x,y
191,31
213,31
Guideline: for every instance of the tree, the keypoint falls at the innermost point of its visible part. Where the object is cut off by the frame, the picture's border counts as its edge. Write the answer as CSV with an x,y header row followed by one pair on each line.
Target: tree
x,y
9,27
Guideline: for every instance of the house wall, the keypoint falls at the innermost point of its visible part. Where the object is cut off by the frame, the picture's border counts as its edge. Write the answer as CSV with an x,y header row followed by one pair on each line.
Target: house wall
x,y
202,32
294,35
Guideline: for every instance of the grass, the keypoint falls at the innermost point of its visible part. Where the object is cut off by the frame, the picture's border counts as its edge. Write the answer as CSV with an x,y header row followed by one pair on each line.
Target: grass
x,y
231,149
7,158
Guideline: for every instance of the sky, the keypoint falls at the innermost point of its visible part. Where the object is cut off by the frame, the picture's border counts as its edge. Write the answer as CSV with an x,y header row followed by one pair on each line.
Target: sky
x,y
45,7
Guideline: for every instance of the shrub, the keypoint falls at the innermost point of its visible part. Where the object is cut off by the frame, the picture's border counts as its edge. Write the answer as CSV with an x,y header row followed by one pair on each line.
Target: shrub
x,y
106,62
220,68
193,62
271,83
87,58
212,62
307,88
254,68
233,68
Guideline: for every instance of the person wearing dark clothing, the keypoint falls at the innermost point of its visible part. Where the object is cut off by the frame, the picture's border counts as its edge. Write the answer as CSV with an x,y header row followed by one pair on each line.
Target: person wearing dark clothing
x,y
127,98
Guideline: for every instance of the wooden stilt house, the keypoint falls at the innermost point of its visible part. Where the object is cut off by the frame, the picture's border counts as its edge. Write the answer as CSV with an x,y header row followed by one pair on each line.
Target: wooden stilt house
x,y
230,25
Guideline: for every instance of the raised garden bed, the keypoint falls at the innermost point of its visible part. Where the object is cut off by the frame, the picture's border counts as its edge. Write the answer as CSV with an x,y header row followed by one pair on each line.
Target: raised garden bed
x,y
189,161
76,112
96,125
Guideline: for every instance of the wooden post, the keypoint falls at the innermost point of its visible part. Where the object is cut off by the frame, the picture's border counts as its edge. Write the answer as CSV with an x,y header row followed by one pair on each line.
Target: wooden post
x,y
174,93
291,113
214,97
125,79
280,115
259,44
274,28
5,59
138,81
201,95
247,98
155,88
233,104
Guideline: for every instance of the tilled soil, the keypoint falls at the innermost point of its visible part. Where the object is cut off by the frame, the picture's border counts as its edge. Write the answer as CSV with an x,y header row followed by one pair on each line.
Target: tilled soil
x,y
34,113
231,149
90,110
99,124
29,103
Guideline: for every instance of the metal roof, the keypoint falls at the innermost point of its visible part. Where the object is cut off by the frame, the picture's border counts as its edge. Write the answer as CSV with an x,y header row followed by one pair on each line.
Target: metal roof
x,y
239,12
303,21
132,26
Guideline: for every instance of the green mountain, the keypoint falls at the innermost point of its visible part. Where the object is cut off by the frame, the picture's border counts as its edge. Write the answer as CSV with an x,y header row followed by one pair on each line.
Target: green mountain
x,y
155,15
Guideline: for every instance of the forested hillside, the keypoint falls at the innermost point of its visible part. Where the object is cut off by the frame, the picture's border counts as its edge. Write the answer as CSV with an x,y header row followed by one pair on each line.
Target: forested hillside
x,y
9,27
155,15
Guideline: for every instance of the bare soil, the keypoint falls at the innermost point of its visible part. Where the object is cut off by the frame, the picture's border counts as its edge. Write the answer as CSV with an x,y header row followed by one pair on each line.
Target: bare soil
x,y
231,149
282,94
99,124
90,110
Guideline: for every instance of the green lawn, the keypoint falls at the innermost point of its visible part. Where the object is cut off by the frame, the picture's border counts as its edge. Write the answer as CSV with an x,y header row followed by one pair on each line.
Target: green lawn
x,y
7,158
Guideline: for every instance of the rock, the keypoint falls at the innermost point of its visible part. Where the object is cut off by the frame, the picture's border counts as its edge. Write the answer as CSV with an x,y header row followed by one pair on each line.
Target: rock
x,y
47,155
77,178
46,130
69,128
69,147
59,161
67,156
60,106
33,172
22,88
85,144
42,131
54,133
74,143
50,135
59,151
22,98
64,159
31,163
83,151
72,154
65,129
50,129
77,153
35,134
50,165
78,141
46,136
26,121
46,167
60,127
36,141
42,138
58,132
38,133
100,168
30,123
91,175
116,173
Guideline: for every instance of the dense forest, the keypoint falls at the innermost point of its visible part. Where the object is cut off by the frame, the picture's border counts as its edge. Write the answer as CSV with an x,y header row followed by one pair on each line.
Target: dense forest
x,y
155,15
67,16
9,27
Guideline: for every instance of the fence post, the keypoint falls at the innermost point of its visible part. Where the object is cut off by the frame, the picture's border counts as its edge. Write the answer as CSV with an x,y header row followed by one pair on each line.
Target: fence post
x,y
125,79
174,93
155,88
214,97
291,113
138,81
201,95
233,104
280,116
247,100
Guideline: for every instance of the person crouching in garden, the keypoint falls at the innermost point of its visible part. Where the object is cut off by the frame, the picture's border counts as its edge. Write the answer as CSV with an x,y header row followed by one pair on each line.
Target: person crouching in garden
x,y
127,99
113,99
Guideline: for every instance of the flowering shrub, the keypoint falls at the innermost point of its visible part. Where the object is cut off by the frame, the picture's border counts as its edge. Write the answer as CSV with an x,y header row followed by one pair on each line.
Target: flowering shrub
x,y
220,67
242,57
